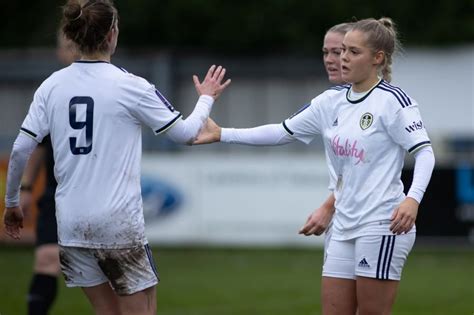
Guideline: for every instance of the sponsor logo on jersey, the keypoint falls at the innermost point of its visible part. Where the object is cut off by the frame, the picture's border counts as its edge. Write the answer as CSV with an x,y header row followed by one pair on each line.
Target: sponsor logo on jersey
x,y
417,125
347,149
366,121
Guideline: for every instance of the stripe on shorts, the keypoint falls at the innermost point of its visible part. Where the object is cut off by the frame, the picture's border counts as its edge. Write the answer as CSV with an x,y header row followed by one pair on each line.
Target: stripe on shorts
x,y
150,259
386,251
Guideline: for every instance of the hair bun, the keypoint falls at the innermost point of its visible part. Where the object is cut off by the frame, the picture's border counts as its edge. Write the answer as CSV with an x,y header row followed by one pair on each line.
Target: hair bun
x,y
73,11
387,22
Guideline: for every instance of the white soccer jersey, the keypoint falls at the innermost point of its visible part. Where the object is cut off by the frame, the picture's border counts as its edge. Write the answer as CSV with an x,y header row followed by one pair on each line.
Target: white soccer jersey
x,y
94,111
365,141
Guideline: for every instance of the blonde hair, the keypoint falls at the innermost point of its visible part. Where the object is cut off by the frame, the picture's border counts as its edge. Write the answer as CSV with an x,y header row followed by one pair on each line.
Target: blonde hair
x,y
341,28
381,36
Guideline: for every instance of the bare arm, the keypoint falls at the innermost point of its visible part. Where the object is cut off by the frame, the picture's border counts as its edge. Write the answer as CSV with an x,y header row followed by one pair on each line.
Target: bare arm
x,y
319,220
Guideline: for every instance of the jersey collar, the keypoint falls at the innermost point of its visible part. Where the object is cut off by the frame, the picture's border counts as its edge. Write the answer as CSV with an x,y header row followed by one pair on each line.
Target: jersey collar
x,y
363,97
90,61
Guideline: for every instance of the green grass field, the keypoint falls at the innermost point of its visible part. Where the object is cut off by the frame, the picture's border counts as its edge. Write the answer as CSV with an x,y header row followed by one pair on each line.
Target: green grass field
x,y
203,281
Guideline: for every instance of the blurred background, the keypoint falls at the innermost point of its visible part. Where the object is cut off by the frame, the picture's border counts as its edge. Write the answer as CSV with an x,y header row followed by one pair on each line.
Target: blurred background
x,y
229,200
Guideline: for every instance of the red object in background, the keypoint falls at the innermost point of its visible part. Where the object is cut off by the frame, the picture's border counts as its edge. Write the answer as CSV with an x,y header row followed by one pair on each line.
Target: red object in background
x,y
29,223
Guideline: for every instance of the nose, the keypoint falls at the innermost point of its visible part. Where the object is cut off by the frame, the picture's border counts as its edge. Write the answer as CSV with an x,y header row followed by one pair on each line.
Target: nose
x,y
344,56
329,59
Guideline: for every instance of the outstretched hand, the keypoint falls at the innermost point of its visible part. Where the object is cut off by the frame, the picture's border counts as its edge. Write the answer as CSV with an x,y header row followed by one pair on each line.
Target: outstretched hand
x,y
210,132
13,221
212,84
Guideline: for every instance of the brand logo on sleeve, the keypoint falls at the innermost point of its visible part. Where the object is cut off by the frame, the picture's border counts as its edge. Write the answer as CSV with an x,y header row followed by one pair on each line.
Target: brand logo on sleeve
x,y
366,121
416,125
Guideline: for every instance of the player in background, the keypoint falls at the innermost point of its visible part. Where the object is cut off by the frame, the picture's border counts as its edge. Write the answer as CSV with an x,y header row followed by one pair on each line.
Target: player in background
x,y
367,128
320,220
46,268
93,112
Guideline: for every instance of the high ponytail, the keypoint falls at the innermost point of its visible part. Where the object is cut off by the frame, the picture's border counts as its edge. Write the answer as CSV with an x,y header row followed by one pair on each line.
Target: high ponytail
x,y
381,36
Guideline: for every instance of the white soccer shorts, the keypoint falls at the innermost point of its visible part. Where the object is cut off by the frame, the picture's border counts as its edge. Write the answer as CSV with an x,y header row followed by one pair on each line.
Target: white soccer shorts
x,y
376,256
128,270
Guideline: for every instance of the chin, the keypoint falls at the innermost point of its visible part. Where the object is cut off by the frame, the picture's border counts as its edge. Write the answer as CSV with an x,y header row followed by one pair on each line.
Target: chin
x,y
335,79
346,78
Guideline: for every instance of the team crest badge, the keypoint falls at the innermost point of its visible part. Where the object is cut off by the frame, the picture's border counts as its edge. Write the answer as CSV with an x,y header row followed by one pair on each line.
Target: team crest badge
x,y
366,121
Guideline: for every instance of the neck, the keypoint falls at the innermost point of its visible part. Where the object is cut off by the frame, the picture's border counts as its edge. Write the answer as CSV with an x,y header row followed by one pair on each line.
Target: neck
x,y
96,56
365,85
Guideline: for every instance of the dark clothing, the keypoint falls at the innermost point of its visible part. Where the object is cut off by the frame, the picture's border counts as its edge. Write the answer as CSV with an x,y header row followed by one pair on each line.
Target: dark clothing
x,y
46,227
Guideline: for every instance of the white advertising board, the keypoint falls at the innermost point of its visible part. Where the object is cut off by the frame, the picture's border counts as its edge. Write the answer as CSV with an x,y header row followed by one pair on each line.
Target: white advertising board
x,y
237,200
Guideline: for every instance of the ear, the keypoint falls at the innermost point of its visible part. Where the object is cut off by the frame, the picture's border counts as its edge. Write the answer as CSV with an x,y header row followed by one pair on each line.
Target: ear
x,y
379,57
110,35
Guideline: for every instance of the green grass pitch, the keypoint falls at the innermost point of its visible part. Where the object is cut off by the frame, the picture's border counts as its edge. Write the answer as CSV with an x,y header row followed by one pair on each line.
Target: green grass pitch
x,y
208,281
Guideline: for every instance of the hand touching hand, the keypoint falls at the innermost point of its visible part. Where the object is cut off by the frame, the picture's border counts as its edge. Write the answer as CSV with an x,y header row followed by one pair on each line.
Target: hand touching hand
x,y
212,84
210,132
403,218
13,221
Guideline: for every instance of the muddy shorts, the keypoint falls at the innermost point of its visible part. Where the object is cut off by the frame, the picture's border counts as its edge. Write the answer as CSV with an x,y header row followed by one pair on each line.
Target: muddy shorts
x,y
128,270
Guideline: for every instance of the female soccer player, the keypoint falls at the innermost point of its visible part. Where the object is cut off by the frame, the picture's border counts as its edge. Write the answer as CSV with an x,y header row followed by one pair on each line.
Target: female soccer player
x,y
320,220
93,112
367,128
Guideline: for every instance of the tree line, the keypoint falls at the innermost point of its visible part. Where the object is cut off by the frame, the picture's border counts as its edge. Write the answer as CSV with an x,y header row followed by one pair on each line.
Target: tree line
x,y
244,27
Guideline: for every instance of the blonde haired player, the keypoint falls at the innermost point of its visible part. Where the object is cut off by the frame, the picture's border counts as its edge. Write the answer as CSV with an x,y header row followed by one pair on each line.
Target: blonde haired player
x,y
366,132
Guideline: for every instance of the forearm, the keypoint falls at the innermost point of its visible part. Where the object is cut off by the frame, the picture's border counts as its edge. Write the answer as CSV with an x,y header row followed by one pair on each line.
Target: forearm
x,y
185,131
329,204
21,151
424,165
266,135
33,166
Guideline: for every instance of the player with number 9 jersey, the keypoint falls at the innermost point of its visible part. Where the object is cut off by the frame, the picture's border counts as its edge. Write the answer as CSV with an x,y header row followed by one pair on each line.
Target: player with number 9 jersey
x,y
93,111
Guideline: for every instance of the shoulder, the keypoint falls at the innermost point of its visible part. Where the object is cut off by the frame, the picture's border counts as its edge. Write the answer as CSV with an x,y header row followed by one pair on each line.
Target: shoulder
x,y
131,83
394,95
339,88
329,96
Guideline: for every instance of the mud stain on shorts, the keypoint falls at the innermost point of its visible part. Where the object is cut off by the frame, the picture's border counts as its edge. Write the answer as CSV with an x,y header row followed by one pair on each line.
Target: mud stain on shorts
x,y
120,267
65,265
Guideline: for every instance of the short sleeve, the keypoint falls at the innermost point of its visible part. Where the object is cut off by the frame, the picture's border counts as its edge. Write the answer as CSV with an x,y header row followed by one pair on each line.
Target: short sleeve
x,y
155,111
36,123
305,124
407,129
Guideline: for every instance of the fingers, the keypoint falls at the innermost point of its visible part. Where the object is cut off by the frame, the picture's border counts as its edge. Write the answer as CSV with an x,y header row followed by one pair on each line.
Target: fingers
x,y
226,84
221,75
210,72
217,73
13,231
394,214
312,228
402,224
196,80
